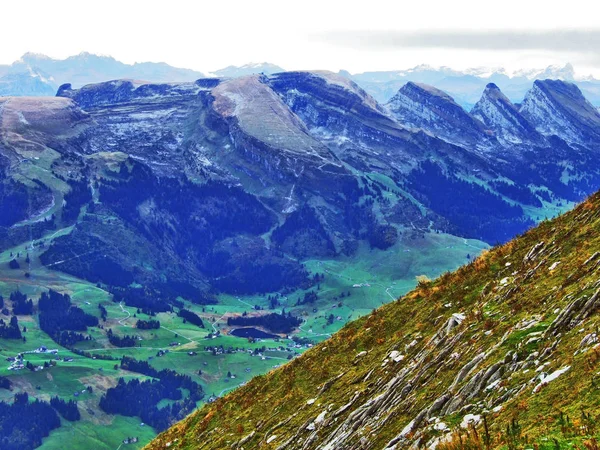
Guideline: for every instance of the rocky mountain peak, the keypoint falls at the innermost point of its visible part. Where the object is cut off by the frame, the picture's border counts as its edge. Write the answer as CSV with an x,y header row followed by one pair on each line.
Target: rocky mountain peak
x,y
426,91
32,57
492,89
499,114
422,106
558,107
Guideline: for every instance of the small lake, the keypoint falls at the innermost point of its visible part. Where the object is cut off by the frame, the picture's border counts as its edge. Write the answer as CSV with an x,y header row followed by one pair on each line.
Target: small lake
x,y
250,332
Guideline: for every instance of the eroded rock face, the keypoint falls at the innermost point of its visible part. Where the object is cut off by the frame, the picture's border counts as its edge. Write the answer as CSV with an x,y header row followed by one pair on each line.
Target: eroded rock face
x,y
276,142
501,116
356,128
344,117
261,114
125,91
559,108
150,122
419,105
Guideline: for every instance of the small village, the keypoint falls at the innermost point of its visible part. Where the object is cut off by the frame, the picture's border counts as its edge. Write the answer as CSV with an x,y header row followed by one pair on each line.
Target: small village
x,y
17,362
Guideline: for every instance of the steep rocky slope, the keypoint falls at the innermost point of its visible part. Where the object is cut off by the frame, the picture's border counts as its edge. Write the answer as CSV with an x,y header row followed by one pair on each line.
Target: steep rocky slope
x,y
502,353
423,106
499,114
555,107
554,127
274,140
359,131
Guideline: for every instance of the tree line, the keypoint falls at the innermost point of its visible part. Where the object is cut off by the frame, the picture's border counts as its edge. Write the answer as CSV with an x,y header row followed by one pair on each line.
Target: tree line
x,y
23,424
61,320
147,324
140,398
275,322
191,317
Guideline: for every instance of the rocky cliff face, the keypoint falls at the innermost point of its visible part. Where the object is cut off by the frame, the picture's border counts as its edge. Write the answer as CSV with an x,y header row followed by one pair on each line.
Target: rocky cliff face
x,y
489,356
265,128
149,121
360,132
501,116
555,126
558,108
422,106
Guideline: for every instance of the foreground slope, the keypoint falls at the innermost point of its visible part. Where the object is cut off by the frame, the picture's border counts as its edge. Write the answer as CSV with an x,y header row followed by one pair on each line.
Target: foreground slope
x,y
510,338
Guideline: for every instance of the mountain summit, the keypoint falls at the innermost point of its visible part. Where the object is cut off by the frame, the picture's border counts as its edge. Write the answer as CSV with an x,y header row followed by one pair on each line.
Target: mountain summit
x,y
422,106
499,114
248,69
556,107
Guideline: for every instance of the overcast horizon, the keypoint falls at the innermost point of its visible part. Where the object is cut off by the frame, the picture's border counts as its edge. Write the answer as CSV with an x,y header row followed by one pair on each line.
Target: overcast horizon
x,y
335,35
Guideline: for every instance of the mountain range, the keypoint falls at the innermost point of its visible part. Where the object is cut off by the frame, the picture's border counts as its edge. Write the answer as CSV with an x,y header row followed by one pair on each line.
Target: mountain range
x,y
465,86
286,155
167,196
39,75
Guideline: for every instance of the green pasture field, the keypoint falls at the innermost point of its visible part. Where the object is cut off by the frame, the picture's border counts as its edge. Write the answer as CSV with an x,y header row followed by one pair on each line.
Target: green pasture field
x,y
382,276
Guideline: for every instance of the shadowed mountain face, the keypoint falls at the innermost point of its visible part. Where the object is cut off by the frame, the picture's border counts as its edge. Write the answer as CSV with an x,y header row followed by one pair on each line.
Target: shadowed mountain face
x,y
221,185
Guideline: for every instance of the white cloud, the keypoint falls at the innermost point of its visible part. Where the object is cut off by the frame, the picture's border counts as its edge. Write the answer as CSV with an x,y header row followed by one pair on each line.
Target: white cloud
x,y
211,34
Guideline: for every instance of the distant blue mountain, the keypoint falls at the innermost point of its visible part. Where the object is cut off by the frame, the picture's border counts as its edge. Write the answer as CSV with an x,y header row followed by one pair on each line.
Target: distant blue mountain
x,y
39,75
248,69
30,83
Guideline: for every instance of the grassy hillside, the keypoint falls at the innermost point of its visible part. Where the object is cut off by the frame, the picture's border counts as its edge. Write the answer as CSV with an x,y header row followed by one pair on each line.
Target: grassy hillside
x,y
502,353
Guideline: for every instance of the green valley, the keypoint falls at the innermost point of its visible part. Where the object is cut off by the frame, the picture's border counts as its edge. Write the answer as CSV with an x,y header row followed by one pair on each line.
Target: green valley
x,y
351,287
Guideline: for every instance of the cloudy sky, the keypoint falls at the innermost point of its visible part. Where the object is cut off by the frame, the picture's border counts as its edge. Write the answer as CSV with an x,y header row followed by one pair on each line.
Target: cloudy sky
x,y
308,34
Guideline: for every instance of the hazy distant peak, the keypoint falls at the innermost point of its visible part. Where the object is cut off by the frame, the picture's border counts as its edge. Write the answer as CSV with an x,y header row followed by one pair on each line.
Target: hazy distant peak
x,y
33,56
248,69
